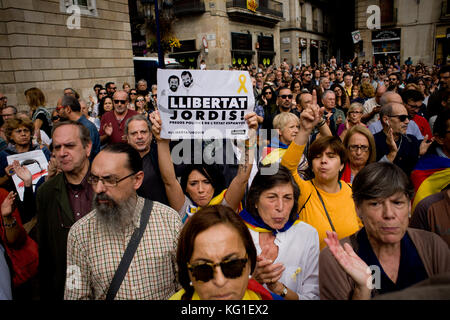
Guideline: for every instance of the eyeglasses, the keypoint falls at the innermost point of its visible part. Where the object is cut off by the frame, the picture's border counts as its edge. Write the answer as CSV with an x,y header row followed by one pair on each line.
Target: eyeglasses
x,y
392,79
3,98
286,96
267,92
54,118
307,74
109,181
355,147
120,101
102,93
19,131
133,93
357,112
231,269
154,95
140,100
401,117
113,88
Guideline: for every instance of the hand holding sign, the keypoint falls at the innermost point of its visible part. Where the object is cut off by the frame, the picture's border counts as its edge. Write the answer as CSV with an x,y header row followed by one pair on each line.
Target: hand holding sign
x,y
155,119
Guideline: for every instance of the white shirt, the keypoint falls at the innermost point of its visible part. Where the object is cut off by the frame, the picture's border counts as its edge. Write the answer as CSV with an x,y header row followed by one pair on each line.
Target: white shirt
x,y
298,251
368,106
413,129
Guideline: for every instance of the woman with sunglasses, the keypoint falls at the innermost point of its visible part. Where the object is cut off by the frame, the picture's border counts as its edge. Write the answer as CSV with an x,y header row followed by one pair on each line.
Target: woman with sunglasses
x,y
268,101
132,96
216,257
361,151
203,185
271,214
141,105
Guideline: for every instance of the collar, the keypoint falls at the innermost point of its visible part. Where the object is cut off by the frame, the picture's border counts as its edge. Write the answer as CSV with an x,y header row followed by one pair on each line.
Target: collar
x,y
441,153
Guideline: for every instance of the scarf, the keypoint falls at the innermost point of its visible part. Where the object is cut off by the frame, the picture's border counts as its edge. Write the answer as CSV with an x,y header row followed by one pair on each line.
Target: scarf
x,y
254,291
194,208
258,225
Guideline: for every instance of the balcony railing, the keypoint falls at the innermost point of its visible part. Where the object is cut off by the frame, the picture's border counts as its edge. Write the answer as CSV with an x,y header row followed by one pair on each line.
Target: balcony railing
x,y
270,7
184,7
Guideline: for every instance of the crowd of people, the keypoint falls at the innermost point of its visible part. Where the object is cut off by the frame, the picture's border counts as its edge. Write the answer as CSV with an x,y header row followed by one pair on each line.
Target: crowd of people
x,y
360,179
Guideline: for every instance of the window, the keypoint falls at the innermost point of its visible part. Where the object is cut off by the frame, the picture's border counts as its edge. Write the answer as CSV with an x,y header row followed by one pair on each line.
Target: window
x,y
87,7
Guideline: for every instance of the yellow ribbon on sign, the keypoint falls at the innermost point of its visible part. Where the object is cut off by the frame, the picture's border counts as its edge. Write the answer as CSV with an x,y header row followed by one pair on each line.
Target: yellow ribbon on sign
x,y
242,80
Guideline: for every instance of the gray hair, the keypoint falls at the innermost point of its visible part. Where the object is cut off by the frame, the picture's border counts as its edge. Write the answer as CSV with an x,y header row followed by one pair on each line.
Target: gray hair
x,y
142,81
327,92
84,136
380,180
137,117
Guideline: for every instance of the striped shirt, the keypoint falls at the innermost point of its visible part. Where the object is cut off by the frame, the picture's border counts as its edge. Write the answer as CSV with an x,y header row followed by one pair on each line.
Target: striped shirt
x,y
93,255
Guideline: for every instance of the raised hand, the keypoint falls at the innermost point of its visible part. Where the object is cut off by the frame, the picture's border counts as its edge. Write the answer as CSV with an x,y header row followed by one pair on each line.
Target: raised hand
x,y
155,119
7,204
425,145
393,149
23,173
108,129
350,262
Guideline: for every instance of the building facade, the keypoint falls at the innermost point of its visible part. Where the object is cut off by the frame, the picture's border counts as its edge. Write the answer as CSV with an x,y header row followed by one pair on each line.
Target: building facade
x,y
54,44
416,29
225,33
306,34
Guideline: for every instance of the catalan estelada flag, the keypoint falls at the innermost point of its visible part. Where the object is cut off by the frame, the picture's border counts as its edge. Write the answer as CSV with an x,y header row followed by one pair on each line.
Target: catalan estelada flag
x,y
430,176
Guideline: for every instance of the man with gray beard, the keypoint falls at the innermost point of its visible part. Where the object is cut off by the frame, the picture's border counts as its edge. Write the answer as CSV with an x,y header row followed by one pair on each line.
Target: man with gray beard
x,y
97,242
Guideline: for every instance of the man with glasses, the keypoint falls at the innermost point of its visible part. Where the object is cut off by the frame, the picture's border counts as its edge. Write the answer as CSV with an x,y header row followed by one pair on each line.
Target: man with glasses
x,y
393,144
8,112
60,202
412,99
97,243
307,80
110,88
112,125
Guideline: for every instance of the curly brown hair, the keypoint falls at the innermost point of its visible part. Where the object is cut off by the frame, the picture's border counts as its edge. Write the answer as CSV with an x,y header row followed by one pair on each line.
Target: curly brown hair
x,y
15,123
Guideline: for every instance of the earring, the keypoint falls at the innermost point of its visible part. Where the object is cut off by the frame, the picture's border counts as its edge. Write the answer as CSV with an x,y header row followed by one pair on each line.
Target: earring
x,y
190,283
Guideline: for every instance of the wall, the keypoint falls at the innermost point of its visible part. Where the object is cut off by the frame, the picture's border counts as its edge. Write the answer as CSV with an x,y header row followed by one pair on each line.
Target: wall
x,y
37,49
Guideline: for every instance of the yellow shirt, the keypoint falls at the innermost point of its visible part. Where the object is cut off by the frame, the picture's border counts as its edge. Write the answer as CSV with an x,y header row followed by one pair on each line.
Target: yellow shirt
x,y
249,295
340,205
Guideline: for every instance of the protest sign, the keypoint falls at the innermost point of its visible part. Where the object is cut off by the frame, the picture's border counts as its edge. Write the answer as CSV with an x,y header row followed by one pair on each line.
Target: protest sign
x,y
197,104
35,161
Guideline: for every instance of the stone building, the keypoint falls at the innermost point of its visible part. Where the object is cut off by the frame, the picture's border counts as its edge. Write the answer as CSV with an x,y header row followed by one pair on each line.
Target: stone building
x,y
225,33
41,45
307,31
416,29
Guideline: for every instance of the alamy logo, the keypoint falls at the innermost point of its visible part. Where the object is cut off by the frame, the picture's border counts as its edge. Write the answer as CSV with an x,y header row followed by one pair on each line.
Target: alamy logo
x,y
373,21
74,21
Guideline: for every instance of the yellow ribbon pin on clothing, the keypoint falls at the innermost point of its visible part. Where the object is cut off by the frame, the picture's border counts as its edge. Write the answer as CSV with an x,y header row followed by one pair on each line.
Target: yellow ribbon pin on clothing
x,y
242,80
294,276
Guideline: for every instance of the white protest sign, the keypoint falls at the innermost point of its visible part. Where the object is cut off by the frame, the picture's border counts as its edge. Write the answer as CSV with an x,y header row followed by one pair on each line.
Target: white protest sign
x,y
35,161
197,104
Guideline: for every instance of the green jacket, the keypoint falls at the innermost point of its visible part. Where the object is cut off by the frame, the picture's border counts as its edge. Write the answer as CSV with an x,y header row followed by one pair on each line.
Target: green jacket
x,y
55,217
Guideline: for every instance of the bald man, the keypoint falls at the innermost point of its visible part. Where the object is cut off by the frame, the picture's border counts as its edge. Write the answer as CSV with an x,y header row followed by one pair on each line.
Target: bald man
x,y
393,97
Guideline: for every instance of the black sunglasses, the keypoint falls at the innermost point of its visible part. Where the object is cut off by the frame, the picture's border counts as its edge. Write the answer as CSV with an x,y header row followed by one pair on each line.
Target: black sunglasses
x,y
54,118
120,101
285,96
267,92
401,117
231,269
